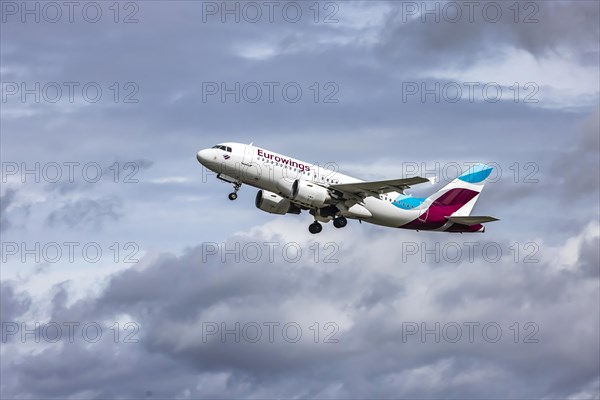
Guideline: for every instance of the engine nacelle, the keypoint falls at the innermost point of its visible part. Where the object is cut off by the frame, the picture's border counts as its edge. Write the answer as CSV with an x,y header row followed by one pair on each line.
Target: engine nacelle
x,y
285,187
274,204
310,194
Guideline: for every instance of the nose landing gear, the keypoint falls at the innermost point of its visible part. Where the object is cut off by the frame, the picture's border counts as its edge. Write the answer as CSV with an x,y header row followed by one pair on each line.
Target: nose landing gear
x,y
236,188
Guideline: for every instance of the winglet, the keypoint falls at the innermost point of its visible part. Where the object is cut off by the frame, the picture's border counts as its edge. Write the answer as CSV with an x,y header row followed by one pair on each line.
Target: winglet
x,y
433,180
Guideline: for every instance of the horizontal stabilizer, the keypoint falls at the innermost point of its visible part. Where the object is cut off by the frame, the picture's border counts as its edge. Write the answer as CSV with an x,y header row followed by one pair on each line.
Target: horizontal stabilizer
x,y
471,220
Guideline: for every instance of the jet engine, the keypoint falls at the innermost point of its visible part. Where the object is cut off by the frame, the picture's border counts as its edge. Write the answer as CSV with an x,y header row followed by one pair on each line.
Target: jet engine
x,y
274,204
285,187
310,194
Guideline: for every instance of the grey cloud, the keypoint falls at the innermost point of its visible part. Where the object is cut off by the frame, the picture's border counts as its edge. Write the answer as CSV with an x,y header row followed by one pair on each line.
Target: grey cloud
x,y
5,201
111,172
555,30
86,213
14,209
589,257
577,167
13,304
591,133
560,26
170,298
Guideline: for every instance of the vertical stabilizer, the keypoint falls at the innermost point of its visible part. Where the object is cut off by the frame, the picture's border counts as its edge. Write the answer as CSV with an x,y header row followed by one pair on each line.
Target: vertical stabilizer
x,y
460,195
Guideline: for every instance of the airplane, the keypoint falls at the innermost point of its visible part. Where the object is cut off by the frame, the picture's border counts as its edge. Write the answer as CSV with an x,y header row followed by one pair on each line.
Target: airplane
x,y
290,186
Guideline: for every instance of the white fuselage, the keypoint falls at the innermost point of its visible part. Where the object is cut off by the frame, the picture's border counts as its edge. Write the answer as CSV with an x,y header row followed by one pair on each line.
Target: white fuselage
x,y
276,173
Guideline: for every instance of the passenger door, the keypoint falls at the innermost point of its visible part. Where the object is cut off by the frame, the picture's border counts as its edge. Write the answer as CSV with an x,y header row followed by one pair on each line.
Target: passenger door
x,y
251,171
248,154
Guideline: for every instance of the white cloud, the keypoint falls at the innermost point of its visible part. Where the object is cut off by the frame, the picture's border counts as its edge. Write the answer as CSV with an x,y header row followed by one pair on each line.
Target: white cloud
x,y
562,81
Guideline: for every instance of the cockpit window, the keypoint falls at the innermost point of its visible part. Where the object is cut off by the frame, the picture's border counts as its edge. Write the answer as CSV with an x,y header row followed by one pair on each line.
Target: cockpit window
x,y
221,147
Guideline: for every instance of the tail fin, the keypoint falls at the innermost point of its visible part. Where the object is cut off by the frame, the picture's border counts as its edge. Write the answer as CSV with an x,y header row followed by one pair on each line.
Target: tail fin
x,y
460,195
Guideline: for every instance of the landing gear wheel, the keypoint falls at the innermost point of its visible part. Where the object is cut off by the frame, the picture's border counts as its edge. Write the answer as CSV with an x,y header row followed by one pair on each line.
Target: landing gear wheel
x,y
236,188
315,227
340,222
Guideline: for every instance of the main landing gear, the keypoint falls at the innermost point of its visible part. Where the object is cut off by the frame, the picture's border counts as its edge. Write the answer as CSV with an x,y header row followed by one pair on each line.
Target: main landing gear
x,y
236,188
315,227
338,222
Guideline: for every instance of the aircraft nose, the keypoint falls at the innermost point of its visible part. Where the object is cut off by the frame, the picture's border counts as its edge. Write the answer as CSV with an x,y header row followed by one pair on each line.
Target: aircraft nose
x,y
202,156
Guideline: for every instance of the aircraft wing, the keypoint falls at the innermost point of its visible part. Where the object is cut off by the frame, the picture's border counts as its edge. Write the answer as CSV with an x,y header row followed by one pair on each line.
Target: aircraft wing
x,y
471,220
375,188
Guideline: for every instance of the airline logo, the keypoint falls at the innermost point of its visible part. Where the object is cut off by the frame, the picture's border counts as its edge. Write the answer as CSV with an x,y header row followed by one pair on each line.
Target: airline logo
x,y
283,160
226,156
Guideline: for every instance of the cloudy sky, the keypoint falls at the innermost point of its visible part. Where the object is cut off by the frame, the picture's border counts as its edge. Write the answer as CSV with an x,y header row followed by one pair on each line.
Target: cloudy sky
x,y
127,273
